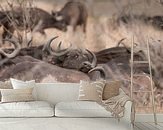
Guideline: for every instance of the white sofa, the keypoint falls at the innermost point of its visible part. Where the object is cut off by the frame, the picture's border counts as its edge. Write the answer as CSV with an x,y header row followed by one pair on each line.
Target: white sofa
x,y
63,113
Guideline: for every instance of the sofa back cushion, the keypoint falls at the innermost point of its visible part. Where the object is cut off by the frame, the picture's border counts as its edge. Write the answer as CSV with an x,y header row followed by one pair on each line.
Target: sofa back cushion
x,y
57,92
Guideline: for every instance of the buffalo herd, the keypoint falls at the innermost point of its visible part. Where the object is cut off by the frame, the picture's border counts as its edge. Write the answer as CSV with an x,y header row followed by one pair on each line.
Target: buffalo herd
x,y
36,19
108,63
44,63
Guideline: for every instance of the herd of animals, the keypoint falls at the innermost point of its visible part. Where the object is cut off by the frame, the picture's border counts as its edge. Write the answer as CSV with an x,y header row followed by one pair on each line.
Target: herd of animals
x,y
37,19
66,65
73,14
74,64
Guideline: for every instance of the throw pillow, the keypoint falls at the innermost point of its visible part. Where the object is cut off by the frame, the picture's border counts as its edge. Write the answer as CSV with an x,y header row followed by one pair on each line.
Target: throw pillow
x,y
5,85
19,84
16,95
111,89
91,91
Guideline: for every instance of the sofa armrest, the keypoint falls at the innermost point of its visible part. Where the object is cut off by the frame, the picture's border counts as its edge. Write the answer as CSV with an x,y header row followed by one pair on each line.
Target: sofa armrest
x,y
127,112
128,109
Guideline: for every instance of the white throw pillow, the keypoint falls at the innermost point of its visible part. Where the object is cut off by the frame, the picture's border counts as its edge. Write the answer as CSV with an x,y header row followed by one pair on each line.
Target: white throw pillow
x,y
19,84
81,109
26,109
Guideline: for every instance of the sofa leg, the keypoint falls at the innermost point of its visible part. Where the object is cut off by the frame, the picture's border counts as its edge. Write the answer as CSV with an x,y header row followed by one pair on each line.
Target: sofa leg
x,y
132,126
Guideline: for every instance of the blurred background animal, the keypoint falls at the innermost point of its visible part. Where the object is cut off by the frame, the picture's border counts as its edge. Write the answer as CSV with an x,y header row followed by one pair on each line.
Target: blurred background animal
x,y
73,14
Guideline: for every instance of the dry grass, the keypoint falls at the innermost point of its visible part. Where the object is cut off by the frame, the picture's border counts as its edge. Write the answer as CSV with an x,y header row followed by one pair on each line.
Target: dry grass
x,y
102,30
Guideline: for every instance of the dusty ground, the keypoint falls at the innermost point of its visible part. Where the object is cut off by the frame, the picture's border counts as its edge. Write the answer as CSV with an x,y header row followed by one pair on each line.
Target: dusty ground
x,y
102,28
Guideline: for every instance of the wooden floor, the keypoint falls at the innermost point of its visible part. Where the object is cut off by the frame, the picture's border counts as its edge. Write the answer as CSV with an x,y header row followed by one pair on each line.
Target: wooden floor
x,y
148,126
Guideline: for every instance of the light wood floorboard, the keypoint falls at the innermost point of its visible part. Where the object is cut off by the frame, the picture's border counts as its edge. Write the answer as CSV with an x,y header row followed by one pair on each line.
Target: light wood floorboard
x,y
148,126
136,128
161,124
158,126
141,126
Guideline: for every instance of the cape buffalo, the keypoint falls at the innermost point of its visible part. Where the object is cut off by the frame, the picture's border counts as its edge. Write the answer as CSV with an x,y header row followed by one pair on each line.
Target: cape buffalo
x,y
32,19
73,13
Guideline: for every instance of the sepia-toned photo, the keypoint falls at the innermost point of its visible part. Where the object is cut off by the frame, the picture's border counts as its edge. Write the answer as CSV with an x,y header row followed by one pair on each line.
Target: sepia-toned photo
x,y
81,64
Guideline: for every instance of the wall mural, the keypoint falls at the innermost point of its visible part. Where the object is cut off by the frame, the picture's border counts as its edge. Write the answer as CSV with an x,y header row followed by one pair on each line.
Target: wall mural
x,y
61,41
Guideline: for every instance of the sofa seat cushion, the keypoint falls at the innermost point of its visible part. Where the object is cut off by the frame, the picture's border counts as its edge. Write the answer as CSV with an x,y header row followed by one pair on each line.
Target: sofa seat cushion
x,y
26,109
80,109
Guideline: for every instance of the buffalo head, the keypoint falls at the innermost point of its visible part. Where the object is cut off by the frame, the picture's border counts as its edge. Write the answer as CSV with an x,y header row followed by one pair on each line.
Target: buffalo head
x,y
57,16
78,59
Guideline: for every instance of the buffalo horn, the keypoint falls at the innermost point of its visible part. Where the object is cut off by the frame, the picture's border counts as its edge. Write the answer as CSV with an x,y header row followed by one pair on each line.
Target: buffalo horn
x,y
94,61
99,68
60,52
121,42
15,52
